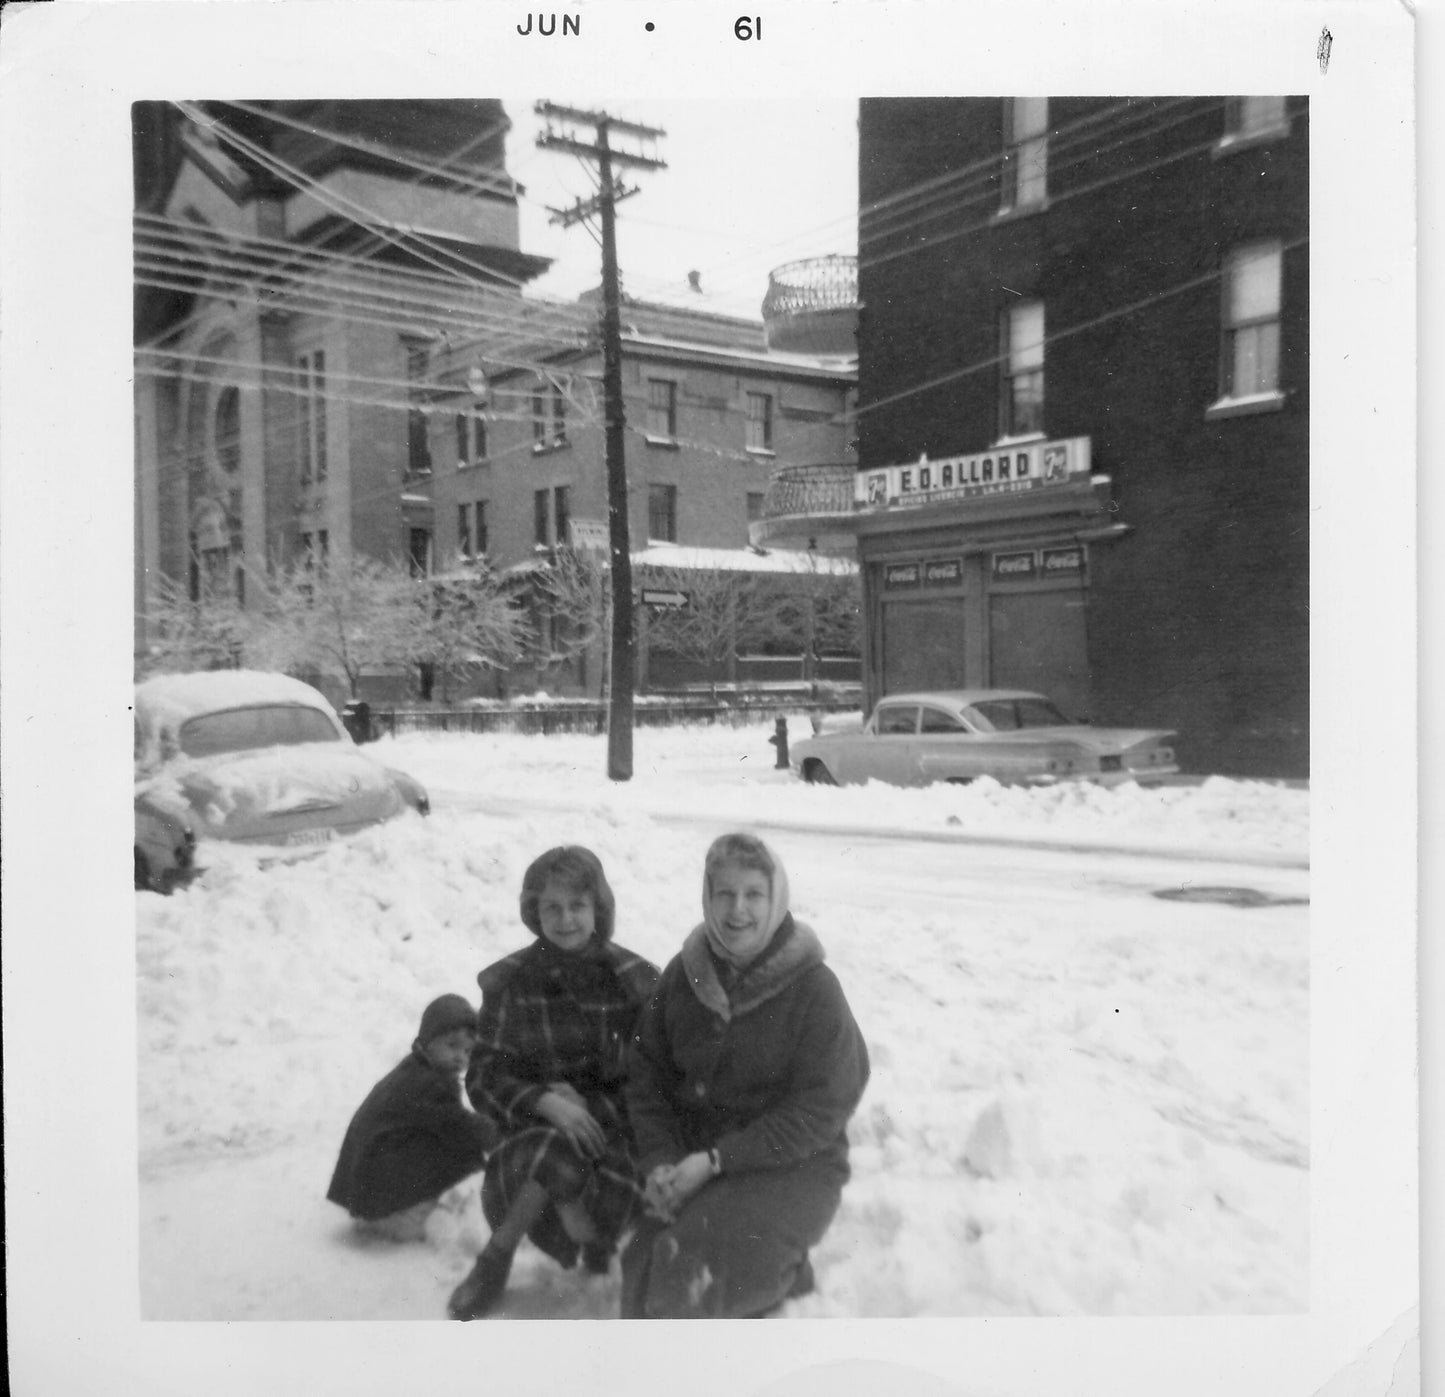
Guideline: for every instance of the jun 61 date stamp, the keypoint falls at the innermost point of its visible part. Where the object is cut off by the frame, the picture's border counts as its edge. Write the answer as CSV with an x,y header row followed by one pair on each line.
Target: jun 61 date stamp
x,y
554,24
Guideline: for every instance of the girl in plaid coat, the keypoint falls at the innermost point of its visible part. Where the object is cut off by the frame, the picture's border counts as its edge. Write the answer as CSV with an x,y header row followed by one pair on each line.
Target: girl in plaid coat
x,y
556,1023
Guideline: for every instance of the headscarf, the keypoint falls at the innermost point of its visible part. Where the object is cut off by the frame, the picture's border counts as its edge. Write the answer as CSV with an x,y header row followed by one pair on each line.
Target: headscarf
x,y
743,851
576,867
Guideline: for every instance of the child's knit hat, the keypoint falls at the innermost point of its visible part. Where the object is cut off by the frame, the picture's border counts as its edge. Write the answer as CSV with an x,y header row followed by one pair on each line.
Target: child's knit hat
x,y
444,1014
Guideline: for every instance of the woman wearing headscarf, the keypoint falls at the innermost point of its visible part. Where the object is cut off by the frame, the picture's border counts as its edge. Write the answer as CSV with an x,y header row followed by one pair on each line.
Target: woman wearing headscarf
x,y
548,1068
746,1066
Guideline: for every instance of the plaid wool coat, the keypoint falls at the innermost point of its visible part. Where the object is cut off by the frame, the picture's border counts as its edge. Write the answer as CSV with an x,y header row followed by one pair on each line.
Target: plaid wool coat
x,y
550,1016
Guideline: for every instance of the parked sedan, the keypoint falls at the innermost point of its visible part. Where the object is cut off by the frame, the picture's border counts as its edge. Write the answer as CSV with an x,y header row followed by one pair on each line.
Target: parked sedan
x,y
959,735
249,758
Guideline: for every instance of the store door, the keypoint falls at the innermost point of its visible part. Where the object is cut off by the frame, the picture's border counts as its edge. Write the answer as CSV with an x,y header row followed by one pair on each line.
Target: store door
x,y
923,645
1039,640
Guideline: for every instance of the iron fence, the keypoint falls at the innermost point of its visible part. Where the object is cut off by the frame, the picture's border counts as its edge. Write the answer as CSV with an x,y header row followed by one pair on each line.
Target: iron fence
x,y
589,717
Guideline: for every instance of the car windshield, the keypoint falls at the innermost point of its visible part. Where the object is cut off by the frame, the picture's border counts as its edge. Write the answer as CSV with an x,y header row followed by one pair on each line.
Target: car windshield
x,y
1009,715
244,729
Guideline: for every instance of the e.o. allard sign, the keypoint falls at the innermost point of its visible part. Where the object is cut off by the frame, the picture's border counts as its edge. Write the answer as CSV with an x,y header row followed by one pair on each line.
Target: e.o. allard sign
x,y
1003,471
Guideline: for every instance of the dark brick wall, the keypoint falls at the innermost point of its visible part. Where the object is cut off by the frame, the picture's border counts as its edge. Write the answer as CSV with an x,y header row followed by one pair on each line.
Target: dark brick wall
x,y
1198,618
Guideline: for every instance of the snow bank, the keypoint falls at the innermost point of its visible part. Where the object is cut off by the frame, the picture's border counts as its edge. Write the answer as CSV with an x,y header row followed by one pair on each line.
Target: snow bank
x,y
1084,1100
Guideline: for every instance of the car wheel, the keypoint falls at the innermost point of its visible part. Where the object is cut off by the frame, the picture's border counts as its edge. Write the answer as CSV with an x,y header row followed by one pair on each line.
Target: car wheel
x,y
960,780
816,774
142,872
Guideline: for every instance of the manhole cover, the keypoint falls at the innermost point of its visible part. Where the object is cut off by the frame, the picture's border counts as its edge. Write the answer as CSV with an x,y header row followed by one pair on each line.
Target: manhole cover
x,y
1230,897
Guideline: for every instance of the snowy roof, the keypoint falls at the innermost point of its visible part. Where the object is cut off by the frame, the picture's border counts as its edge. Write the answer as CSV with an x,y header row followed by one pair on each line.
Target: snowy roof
x,y
834,366
168,700
673,555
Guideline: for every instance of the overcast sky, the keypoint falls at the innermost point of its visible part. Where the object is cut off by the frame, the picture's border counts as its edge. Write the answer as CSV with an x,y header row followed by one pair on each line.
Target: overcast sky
x,y
749,185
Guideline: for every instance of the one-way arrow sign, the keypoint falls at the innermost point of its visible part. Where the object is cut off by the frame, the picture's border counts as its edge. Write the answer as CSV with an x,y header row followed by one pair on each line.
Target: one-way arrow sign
x,y
670,599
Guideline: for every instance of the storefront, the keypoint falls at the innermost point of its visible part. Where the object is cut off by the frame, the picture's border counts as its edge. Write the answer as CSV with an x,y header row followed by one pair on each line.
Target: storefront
x,y
976,571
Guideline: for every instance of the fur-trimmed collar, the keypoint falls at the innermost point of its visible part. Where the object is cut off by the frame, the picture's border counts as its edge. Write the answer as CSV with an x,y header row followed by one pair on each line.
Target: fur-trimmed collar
x,y
795,949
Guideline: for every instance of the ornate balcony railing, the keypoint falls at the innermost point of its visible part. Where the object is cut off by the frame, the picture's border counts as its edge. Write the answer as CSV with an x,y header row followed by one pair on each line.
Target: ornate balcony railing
x,y
812,306
808,505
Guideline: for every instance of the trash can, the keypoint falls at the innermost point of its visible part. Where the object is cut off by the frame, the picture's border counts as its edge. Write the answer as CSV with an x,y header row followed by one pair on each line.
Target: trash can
x,y
356,719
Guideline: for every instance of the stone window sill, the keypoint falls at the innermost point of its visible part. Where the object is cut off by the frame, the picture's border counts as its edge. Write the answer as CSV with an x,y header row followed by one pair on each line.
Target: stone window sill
x,y
1237,141
662,443
1016,211
1244,407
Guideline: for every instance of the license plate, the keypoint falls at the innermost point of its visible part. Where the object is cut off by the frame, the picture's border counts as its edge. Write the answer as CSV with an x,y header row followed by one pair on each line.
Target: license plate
x,y
311,836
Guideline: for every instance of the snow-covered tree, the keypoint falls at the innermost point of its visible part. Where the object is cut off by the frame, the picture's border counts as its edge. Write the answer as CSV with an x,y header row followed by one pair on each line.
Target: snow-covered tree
x,y
344,617
183,634
465,621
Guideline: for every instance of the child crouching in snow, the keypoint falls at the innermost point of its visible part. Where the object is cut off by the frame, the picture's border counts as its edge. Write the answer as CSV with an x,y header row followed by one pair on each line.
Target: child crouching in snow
x,y
557,1021
415,1135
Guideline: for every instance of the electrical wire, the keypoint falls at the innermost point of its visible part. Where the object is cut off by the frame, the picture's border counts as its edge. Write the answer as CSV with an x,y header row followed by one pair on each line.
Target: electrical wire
x,y
994,360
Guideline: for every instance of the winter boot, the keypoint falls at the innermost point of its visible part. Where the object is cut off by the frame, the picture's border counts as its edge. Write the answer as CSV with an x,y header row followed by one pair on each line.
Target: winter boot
x,y
479,1293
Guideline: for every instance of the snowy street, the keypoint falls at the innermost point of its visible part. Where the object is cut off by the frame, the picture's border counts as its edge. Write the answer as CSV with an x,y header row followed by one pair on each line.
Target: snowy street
x,y
1086,1099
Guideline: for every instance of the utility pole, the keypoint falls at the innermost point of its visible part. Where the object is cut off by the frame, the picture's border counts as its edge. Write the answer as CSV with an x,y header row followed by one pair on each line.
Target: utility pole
x,y
604,202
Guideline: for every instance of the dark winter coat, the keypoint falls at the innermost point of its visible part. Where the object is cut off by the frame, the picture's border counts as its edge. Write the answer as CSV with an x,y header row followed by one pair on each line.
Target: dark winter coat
x,y
552,1016
764,1065
766,1068
410,1140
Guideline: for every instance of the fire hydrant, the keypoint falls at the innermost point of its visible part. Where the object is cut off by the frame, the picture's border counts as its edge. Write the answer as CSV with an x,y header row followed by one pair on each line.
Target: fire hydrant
x,y
779,739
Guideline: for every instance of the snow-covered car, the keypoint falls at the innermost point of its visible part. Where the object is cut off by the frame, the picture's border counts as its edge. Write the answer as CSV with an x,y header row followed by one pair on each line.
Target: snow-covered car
x,y
249,758
1016,737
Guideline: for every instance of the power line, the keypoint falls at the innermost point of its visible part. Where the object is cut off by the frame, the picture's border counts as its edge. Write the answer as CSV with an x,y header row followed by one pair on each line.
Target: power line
x,y
1134,307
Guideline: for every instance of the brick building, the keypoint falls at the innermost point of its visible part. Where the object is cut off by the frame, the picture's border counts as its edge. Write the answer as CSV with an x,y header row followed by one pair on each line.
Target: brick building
x,y
517,464
294,262
334,359
1084,411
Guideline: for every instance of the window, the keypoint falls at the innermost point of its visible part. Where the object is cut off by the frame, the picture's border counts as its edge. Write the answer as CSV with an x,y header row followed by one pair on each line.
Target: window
x,y
1250,357
661,409
1026,152
418,449
228,429
418,552
756,499
760,422
541,518
549,418
1021,356
481,515
464,531
1010,715
1246,117
936,720
311,372
254,727
561,512
662,513
559,415
897,721
471,436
